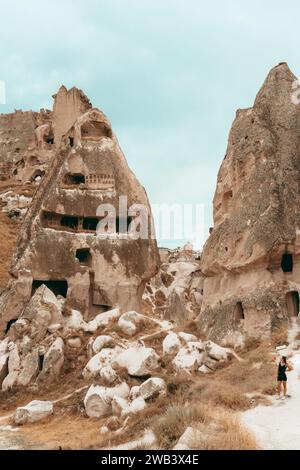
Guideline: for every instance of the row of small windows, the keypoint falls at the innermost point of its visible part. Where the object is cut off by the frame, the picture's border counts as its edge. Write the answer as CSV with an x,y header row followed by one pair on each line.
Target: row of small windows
x,y
74,179
80,224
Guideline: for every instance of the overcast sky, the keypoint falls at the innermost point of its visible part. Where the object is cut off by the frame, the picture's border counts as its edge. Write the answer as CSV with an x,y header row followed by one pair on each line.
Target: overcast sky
x,y
169,74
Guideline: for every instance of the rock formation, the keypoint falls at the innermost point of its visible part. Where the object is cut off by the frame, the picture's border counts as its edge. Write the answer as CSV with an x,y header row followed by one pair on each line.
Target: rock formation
x,y
58,246
251,261
175,293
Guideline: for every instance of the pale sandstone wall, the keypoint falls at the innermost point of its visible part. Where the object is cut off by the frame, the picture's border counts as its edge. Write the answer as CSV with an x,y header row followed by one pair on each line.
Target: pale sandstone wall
x,y
117,269
256,217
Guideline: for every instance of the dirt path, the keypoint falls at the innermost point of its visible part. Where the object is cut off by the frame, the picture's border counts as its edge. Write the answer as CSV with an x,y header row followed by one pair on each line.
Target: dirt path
x,y
277,427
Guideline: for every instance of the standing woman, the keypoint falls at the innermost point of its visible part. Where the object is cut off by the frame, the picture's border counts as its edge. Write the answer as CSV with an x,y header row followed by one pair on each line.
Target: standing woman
x,y
283,367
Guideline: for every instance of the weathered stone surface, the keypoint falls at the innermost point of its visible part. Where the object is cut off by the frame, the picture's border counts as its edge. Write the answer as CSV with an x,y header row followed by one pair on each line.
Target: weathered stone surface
x,y
187,338
102,320
189,437
73,322
102,359
103,341
35,411
190,357
176,308
204,369
98,400
138,361
251,259
108,374
128,323
54,360
4,354
57,243
74,342
176,291
122,407
171,344
13,369
152,387
29,368
42,311
215,351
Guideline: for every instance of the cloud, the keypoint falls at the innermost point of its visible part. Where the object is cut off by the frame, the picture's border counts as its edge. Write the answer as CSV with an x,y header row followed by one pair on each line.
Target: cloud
x,y
169,74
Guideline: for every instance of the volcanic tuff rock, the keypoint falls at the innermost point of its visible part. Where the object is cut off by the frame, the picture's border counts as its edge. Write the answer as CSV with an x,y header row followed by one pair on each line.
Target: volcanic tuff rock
x,y
251,261
58,246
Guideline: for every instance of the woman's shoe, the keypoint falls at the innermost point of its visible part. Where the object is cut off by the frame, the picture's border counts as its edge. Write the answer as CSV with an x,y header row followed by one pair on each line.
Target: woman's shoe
x,y
283,398
277,398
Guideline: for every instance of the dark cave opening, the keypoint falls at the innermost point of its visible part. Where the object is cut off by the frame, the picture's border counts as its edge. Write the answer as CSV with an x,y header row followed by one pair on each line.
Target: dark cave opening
x,y
287,263
58,287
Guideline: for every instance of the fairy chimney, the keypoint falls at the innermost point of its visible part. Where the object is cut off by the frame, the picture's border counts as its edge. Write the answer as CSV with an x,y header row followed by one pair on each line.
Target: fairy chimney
x,y
252,258
60,245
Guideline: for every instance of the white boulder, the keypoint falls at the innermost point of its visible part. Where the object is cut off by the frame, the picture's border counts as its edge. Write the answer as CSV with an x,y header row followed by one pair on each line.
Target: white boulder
x,y
98,400
104,358
103,341
74,342
134,392
204,369
190,357
43,310
152,387
54,359
108,374
4,353
187,439
129,321
73,322
34,411
29,368
171,344
216,352
14,364
138,360
187,338
122,407
102,320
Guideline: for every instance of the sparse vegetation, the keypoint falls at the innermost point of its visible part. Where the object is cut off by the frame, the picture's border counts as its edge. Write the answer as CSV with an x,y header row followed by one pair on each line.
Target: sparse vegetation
x,y
215,428
176,419
226,434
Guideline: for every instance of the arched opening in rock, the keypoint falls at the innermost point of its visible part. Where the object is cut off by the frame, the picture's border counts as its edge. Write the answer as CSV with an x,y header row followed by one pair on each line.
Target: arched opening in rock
x,y
292,303
71,141
287,263
9,325
49,139
69,222
74,179
41,361
84,256
94,131
37,175
227,197
239,312
58,287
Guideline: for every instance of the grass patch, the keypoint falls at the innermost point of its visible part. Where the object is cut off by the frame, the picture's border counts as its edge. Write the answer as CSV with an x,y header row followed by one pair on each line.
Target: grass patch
x,y
176,419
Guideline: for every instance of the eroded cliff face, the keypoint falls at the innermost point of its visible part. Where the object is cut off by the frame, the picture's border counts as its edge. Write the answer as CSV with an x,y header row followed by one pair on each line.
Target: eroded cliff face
x,y
58,246
252,258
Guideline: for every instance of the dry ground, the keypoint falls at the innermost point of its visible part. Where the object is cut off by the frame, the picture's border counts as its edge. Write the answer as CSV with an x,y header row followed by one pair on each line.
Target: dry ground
x,y
209,403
